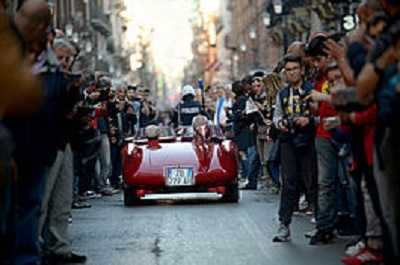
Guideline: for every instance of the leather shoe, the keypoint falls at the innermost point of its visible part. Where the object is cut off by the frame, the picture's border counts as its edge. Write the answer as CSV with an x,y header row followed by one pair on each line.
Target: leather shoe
x,y
69,257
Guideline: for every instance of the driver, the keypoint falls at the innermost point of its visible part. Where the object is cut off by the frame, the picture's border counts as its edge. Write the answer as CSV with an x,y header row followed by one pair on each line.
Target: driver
x,y
187,108
201,126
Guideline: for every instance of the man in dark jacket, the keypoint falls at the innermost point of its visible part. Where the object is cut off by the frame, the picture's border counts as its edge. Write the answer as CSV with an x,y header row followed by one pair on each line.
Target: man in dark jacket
x,y
297,138
187,109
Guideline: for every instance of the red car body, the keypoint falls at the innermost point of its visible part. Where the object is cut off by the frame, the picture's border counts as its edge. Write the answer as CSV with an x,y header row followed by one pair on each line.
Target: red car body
x,y
173,164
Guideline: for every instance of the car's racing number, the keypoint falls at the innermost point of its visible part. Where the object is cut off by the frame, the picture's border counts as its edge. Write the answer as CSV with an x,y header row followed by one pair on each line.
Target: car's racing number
x,y
179,176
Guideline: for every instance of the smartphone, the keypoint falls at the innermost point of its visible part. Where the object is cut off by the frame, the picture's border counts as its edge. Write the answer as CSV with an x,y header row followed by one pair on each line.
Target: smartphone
x,y
332,120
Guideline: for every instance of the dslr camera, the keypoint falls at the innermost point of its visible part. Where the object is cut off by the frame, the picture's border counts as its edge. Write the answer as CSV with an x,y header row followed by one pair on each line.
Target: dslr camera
x,y
104,88
289,122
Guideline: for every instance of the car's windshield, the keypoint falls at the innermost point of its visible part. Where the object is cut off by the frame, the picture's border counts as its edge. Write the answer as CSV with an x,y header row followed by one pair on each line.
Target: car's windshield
x,y
165,131
215,132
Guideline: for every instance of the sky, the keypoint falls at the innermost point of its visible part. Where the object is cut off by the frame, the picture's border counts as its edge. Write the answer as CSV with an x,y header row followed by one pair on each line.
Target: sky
x,y
172,35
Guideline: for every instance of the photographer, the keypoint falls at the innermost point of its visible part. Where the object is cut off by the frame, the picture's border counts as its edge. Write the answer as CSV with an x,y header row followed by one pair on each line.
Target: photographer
x,y
147,111
298,154
122,126
97,96
262,124
242,134
134,100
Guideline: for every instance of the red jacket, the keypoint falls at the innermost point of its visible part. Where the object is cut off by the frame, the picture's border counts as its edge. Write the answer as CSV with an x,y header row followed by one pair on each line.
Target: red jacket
x,y
368,119
325,109
99,112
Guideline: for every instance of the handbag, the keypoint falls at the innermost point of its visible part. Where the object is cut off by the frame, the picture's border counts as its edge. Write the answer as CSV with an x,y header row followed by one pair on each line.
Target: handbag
x,y
262,132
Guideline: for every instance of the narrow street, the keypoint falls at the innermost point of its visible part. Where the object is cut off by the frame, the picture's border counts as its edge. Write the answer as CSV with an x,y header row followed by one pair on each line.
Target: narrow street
x,y
194,229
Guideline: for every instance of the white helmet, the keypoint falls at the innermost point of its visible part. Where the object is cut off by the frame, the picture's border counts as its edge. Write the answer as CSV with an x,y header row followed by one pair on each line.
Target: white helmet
x,y
188,90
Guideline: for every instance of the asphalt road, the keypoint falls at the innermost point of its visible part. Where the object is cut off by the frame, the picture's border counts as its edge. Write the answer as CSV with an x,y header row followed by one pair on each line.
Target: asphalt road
x,y
194,230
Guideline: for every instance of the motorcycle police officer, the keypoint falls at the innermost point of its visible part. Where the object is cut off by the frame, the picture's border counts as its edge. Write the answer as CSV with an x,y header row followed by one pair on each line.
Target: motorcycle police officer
x,y
187,108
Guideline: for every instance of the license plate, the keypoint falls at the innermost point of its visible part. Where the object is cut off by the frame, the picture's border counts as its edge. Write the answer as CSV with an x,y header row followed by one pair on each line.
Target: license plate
x,y
179,177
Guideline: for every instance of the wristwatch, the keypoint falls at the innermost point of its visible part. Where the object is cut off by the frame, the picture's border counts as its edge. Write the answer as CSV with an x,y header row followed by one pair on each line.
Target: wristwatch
x,y
378,70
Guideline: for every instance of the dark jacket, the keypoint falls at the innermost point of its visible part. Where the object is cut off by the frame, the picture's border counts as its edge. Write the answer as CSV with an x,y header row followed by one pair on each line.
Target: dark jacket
x,y
308,132
185,112
242,133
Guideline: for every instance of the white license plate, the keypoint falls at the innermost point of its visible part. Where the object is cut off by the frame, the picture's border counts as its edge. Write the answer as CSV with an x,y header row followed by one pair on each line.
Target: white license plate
x,y
179,177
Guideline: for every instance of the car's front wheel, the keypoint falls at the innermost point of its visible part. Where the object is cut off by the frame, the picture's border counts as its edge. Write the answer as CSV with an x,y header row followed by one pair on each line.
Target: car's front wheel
x,y
130,197
231,193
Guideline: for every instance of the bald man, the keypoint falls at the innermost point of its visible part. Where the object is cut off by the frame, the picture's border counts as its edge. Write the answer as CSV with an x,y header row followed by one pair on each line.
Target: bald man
x,y
31,21
297,47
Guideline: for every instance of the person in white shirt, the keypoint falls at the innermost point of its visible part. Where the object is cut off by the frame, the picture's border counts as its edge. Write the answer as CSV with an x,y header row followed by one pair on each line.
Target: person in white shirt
x,y
223,109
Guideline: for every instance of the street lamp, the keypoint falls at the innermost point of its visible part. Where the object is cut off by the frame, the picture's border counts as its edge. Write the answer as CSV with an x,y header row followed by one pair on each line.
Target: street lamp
x,y
75,37
278,6
88,46
68,29
243,49
253,33
267,19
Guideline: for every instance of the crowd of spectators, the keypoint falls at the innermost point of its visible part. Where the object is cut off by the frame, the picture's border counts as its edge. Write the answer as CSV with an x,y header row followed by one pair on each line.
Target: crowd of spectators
x,y
61,136
322,129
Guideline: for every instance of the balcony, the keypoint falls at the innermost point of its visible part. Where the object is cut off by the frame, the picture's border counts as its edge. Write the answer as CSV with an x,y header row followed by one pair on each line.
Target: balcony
x,y
99,20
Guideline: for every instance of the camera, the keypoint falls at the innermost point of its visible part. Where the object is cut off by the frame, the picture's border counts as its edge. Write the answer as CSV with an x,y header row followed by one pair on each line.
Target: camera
x,y
136,98
289,123
74,77
104,94
317,45
337,37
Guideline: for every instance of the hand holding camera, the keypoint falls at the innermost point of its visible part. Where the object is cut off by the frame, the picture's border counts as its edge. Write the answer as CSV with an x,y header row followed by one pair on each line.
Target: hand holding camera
x,y
330,123
283,126
301,121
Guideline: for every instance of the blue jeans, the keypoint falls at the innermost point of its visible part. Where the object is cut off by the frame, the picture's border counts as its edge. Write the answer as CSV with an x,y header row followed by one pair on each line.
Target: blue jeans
x,y
328,161
254,165
274,161
30,189
7,219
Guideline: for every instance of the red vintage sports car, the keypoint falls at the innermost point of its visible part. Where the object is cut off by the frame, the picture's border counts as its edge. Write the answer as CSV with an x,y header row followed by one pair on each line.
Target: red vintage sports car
x,y
193,160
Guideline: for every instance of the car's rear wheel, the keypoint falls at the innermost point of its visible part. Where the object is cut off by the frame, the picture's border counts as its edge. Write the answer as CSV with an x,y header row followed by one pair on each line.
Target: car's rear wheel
x,y
130,197
231,194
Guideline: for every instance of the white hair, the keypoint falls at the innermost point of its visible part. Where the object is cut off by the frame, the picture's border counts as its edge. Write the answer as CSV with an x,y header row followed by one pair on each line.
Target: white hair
x,y
62,43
